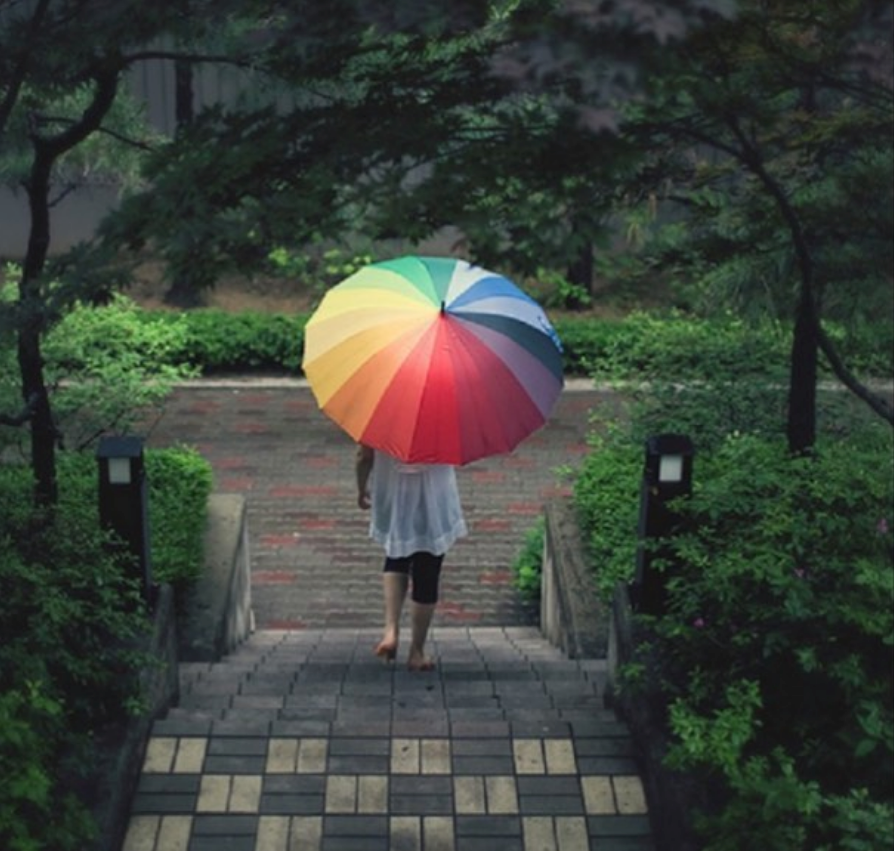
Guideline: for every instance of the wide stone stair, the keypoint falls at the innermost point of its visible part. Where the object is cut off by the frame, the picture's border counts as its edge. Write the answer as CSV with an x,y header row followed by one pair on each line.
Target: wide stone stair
x,y
304,741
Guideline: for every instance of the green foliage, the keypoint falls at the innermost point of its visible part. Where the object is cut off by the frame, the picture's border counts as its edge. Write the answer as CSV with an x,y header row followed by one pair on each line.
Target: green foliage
x,y
318,271
34,813
776,655
678,346
104,366
107,367
769,143
180,483
527,566
637,347
606,496
72,615
218,341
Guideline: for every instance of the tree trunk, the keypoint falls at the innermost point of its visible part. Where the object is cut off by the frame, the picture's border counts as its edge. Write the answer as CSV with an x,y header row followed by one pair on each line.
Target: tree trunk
x,y
34,391
801,426
181,293
802,377
183,95
580,273
31,296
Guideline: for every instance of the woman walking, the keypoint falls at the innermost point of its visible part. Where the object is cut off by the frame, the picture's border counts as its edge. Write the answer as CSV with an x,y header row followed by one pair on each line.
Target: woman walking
x,y
416,516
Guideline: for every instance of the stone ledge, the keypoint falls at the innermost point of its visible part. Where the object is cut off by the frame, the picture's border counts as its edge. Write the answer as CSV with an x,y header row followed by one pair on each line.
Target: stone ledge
x,y
123,747
215,613
672,795
572,617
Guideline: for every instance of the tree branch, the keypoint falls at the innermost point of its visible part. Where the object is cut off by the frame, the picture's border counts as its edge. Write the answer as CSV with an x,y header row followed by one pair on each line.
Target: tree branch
x,y
21,69
22,416
849,380
120,137
180,56
106,89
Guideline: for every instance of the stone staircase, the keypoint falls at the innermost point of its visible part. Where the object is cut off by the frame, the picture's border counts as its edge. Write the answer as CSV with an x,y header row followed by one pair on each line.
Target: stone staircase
x,y
304,740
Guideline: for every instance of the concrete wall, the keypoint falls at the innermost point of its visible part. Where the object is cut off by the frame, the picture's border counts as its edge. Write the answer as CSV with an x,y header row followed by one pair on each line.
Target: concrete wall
x,y
216,615
571,615
72,221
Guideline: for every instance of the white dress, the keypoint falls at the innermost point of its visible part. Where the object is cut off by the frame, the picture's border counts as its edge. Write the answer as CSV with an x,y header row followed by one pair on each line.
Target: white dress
x,y
415,507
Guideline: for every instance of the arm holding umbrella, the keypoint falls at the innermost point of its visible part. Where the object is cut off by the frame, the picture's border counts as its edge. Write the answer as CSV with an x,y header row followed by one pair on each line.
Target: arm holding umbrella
x,y
364,465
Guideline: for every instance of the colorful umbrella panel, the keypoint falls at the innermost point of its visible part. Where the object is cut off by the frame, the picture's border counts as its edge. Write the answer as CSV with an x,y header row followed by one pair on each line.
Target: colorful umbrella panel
x,y
433,360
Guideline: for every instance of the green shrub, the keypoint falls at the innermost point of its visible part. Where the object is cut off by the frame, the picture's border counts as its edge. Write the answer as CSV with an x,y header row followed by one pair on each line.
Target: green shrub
x,y
71,615
35,813
775,656
106,367
638,347
180,483
676,346
528,565
606,497
219,341
587,343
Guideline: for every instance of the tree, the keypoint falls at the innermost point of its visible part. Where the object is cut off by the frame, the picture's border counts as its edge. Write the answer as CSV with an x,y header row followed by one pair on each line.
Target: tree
x,y
62,64
54,94
773,130
769,127
425,120
385,96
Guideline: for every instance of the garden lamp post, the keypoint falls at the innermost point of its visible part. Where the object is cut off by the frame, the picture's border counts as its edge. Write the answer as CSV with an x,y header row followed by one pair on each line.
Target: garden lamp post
x,y
667,475
124,501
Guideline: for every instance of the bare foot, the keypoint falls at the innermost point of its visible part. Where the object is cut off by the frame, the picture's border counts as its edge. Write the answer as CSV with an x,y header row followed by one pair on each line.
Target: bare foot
x,y
386,649
418,661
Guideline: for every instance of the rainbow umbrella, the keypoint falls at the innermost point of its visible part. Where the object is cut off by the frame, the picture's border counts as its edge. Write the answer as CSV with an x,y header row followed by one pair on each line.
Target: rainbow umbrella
x,y
433,360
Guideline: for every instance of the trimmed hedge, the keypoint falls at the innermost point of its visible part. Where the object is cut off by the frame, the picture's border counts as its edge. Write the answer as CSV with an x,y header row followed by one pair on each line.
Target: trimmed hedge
x,y
218,341
639,346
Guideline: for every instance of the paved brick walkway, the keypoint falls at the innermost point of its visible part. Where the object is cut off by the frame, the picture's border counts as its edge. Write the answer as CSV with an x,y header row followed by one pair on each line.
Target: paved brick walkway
x,y
303,741
313,563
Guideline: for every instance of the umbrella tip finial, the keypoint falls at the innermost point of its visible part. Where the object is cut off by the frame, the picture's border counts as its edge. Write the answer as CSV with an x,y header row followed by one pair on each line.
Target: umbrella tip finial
x,y
443,307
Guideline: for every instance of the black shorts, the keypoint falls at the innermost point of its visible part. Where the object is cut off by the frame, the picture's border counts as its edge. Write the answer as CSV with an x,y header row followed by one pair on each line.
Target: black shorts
x,y
425,571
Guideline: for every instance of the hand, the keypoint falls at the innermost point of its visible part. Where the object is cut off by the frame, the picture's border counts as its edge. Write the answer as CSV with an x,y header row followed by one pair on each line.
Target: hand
x,y
363,500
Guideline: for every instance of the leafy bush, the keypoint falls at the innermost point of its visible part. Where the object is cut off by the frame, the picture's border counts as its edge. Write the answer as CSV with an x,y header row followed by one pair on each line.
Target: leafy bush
x,y
638,347
528,565
677,346
104,367
71,615
321,269
218,341
34,812
606,496
587,343
775,656
180,483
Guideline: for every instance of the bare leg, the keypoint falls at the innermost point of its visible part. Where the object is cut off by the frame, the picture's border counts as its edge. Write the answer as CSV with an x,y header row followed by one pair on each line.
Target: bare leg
x,y
394,586
421,618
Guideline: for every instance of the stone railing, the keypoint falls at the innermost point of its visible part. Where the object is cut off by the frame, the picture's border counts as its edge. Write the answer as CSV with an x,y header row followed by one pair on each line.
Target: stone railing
x,y
215,615
571,615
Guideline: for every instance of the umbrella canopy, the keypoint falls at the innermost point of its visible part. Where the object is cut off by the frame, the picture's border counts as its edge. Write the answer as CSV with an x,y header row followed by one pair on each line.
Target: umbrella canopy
x,y
433,360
